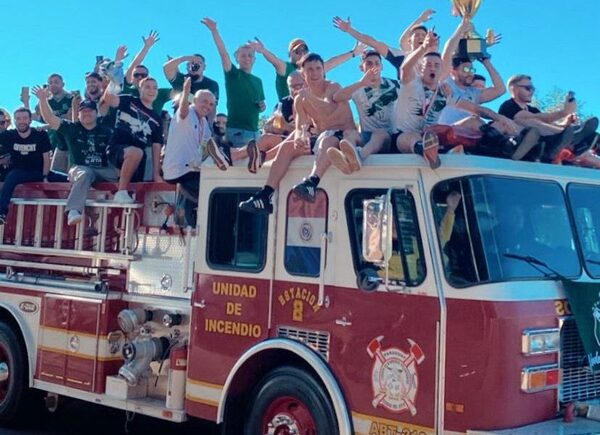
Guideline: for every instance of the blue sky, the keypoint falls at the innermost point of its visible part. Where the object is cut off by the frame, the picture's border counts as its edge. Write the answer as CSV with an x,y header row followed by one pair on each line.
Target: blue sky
x,y
555,41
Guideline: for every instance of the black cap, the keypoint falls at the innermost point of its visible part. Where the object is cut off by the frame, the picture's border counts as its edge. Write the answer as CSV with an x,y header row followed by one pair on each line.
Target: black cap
x,y
88,104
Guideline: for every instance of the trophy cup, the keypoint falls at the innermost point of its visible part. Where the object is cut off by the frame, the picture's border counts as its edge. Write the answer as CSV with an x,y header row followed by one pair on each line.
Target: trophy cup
x,y
471,46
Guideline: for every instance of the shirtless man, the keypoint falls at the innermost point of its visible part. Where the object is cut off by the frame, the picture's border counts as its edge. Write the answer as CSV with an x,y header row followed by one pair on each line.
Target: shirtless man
x,y
314,106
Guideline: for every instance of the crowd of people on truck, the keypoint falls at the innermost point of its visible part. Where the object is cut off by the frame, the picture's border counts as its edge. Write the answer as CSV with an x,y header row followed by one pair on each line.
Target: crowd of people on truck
x,y
120,128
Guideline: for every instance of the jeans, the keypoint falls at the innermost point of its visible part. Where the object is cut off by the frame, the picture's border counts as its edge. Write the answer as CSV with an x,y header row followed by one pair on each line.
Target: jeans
x,y
13,179
238,137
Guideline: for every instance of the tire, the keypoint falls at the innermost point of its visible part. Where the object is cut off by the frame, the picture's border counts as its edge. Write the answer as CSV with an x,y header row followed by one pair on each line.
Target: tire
x,y
13,389
289,400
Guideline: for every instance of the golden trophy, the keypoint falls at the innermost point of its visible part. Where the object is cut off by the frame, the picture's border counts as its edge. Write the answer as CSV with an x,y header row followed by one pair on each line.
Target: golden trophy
x,y
471,46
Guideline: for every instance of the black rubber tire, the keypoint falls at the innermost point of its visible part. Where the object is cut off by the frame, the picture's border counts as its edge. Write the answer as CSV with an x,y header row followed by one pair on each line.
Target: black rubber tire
x,y
17,383
293,382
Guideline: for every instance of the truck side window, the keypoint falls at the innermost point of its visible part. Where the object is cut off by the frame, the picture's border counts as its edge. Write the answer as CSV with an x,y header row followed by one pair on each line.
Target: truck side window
x,y
305,223
406,265
235,240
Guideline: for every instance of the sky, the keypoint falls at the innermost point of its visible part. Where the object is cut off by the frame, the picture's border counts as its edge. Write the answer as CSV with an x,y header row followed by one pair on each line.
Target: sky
x,y
555,41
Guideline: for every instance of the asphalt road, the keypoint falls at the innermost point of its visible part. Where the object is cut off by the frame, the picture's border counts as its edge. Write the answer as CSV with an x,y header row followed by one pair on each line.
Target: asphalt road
x,y
80,418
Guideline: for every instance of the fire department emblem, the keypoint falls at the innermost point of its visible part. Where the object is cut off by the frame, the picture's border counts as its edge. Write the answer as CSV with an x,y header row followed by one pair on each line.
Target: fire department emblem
x,y
394,377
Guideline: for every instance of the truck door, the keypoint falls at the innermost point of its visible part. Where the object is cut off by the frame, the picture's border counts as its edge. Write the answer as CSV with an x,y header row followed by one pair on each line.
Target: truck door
x,y
380,339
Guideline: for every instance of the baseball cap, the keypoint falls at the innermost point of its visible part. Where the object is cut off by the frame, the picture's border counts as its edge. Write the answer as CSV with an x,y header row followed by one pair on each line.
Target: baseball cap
x,y
297,42
88,104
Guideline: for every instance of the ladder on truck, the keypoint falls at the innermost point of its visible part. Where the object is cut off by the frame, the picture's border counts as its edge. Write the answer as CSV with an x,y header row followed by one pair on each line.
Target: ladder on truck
x,y
38,238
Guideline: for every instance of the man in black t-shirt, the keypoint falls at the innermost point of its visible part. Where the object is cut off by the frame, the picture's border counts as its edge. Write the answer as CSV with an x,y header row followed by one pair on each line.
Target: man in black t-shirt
x,y
555,137
29,151
137,129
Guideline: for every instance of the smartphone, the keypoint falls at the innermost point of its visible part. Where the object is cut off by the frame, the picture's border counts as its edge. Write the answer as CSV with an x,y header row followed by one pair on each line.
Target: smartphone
x,y
24,90
99,59
76,94
571,96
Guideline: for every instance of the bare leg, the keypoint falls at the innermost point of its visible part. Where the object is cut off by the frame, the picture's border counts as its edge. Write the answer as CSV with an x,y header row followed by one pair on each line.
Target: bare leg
x,y
287,152
322,162
379,138
132,156
406,142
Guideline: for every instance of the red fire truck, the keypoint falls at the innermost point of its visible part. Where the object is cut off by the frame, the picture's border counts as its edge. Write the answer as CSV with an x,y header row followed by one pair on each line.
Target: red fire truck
x,y
381,308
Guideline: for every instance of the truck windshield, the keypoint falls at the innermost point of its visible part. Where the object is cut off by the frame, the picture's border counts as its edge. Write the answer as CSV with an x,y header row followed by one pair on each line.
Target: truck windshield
x,y
503,229
586,210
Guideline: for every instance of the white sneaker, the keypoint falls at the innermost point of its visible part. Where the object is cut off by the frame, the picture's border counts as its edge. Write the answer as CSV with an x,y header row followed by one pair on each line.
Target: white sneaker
x,y
122,196
74,217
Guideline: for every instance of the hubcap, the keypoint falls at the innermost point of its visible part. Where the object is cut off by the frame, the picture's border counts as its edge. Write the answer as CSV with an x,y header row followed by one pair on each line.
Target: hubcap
x,y
4,373
288,416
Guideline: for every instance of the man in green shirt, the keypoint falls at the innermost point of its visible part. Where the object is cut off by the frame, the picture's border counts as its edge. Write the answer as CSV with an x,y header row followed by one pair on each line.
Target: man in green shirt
x,y
86,141
296,50
137,72
245,95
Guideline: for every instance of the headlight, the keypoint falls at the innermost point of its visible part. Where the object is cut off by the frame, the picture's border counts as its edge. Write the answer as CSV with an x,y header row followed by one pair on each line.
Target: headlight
x,y
540,341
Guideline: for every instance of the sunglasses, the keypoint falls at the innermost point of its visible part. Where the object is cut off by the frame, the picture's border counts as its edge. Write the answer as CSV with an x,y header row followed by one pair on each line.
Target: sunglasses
x,y
528,88
469,69
3,122
301,50
140,75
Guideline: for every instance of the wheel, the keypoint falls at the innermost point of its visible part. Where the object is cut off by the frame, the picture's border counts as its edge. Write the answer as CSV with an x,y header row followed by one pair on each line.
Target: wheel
x,y
290,401
13,374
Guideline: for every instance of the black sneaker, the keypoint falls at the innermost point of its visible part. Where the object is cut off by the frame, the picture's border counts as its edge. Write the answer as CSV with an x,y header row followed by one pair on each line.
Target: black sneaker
x,y
528,138
2,219
254,157
257,204
307,190
558,142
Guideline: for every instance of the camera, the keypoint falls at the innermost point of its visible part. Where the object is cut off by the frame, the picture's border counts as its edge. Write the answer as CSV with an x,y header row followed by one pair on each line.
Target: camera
x,y
194,67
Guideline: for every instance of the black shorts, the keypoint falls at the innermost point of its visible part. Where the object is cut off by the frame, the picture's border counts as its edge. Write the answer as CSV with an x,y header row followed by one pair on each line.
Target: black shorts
x,y
115,155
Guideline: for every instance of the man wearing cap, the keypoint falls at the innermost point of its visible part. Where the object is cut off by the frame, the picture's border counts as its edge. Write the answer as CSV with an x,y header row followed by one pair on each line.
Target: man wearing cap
x,y
86,142
296,50
245,94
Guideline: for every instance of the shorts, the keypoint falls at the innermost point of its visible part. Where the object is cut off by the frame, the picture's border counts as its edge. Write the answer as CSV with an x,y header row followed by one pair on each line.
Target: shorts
x,y
387,148
239,138
339,134
115,155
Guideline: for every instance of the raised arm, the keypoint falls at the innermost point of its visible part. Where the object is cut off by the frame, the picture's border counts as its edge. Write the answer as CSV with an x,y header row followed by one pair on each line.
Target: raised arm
x,y
225,59
171,66
139,58
184,106
43,94
569,107
497,88
368,79
408,67
405,37
452,45
108,100
358,48
259,47
346,26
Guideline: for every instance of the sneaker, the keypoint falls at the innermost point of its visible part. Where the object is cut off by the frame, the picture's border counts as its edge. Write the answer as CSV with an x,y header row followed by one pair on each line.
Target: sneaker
x,y
429,148
2,219
74,217
352,154
306,190
558,142
254,157
337,159
585,130
528,139
257,204
122,197
216,154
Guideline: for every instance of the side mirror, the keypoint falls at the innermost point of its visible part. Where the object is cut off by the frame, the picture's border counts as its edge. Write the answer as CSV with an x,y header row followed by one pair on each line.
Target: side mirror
x,y
368,280
375,231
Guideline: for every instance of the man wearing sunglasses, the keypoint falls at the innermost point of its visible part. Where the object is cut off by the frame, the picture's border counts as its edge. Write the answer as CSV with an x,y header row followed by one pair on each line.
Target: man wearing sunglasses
x,y
138,72
555,137
296,50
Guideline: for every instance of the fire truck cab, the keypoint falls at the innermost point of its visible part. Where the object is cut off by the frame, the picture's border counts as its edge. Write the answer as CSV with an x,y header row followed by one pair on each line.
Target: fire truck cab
x,y
402,301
